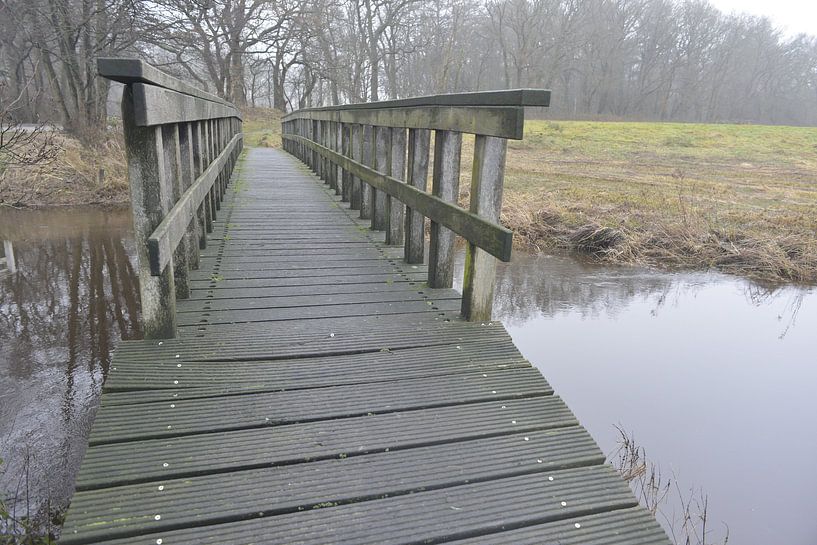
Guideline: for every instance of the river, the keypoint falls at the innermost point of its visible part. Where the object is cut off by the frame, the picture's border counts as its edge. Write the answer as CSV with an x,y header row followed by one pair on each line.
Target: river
x,y
713,375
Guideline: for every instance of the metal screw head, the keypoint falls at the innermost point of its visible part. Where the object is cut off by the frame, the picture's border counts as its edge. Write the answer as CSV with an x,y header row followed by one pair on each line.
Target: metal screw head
x,y
165,464
172,405
564,504
178,365
550,478
175,382
513,421
161,487
527,438
159,541
157,517
577,525
177,355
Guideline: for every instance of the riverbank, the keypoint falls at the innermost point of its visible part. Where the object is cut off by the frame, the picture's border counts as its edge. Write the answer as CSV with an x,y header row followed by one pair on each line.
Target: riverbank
x,y
79,174
737,198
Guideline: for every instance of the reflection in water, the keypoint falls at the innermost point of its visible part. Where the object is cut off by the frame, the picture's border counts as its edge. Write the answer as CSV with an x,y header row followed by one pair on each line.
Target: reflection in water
x,y
74,294
713,375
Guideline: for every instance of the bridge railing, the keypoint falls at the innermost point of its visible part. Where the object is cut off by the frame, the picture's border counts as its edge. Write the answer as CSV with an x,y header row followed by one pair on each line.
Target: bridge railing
x,y
376,157
182,144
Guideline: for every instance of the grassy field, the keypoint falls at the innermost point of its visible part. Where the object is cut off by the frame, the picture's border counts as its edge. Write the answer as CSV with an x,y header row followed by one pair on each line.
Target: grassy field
x,y
738,198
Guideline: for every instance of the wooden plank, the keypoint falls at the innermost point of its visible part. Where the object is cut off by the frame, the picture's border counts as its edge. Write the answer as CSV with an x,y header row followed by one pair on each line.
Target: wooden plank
x,y
494,239
433,516
138,71
158,106
241,495
499,121
509,97
144,461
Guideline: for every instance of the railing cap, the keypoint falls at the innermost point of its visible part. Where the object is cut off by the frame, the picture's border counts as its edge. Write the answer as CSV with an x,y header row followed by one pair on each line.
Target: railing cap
x,y
509,97
126,71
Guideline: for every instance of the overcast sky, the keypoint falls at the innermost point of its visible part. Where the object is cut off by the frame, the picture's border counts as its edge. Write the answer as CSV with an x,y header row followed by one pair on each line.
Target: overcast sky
x,y
794,16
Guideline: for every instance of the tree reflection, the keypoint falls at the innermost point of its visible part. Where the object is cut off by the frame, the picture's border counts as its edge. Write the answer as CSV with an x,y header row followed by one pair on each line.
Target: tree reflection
x,y
72,298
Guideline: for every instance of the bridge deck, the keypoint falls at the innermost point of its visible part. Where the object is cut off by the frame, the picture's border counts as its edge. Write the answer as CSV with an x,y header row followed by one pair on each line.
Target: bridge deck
x,y
319,393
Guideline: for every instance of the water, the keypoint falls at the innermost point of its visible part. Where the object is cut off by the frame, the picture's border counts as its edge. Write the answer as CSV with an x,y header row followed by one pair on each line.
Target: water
x,y
713,375
74,295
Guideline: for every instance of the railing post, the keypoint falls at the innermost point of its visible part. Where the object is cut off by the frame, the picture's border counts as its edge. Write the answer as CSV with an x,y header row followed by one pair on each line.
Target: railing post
x,y
150,199
486,201
337,172
395,221
206,224
346,151
188,176
382,136
355,191
445,184
366,158
172,164
419,141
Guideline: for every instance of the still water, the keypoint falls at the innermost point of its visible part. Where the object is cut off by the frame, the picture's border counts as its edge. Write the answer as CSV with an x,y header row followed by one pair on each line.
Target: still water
x,y
72,298
713,375
716,377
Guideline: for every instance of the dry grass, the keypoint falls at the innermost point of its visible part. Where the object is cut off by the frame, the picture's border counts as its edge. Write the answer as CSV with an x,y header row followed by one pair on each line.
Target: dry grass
x,y
262,128
78,174
738,198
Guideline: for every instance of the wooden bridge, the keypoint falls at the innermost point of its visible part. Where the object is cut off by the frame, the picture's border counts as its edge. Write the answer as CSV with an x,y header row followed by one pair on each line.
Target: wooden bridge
x,y
305,377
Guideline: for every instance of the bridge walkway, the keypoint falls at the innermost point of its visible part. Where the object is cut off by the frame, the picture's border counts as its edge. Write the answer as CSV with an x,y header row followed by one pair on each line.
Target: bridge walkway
x,y
319,392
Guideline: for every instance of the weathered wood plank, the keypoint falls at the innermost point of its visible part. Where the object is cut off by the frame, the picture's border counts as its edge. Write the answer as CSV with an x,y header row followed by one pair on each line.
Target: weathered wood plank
x,y
486,201
241,495
144,461
158,106
509,97
500,121
138,71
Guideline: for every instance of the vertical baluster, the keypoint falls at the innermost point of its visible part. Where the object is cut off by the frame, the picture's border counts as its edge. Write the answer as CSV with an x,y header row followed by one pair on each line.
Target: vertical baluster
x,y
213,136
198,162
208,147
419,141
171,156
395,221
346,151
367,158
382,137
150,199
315,155
486,201
188,176
336,169
355,191
445,184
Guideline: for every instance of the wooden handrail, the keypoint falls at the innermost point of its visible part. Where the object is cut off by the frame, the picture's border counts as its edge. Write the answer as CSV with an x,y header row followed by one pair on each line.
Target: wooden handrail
x,y
182,144
364,154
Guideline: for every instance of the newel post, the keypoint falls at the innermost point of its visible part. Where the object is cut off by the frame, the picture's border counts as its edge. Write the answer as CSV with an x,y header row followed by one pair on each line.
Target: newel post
x,y
486,201
151,195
